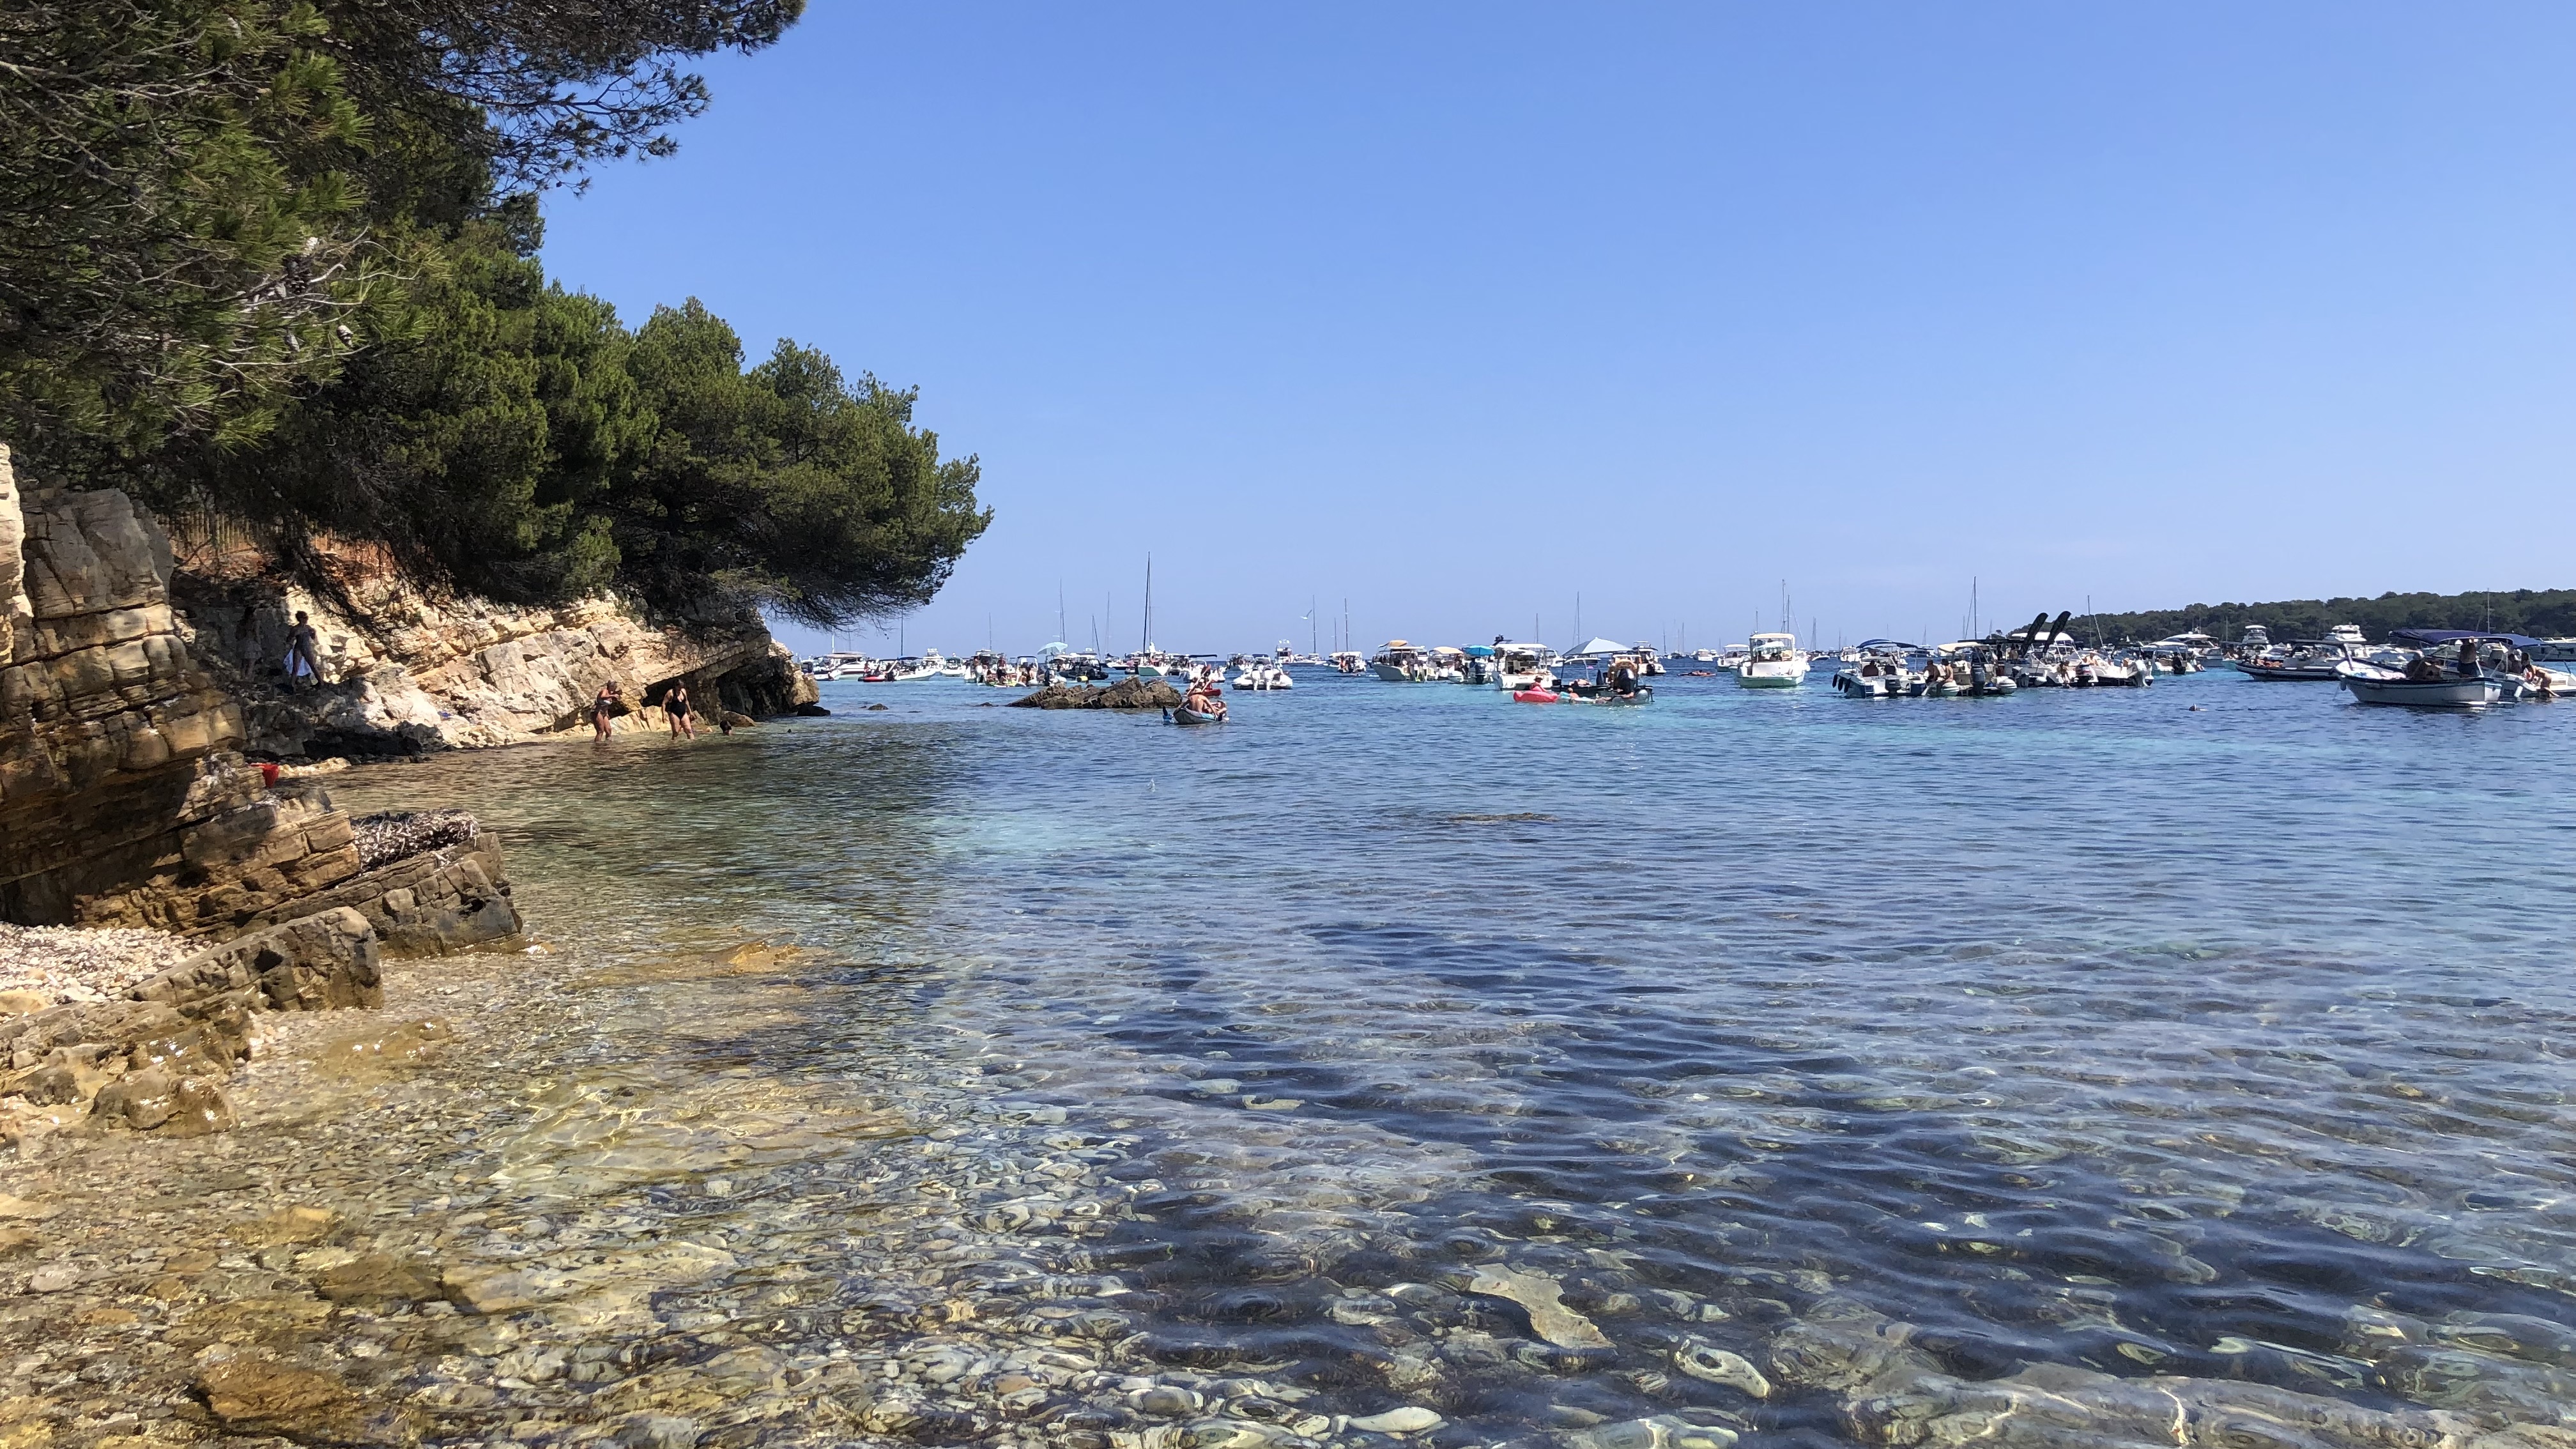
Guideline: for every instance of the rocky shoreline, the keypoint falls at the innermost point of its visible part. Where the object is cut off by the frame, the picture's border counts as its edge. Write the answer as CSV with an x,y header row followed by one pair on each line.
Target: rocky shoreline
x,y
115,1030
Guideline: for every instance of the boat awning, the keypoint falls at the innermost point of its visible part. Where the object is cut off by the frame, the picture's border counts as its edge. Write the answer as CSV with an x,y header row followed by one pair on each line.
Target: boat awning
x,y
2429,637
1601,648
1888,644
1480,651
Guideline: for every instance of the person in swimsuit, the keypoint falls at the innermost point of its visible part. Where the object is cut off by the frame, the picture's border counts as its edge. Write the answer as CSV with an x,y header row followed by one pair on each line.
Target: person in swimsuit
x,y
604,708
303,652
675,705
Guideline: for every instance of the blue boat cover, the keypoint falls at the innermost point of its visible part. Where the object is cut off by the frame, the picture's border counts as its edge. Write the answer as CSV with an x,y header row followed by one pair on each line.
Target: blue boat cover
x,y
2454,636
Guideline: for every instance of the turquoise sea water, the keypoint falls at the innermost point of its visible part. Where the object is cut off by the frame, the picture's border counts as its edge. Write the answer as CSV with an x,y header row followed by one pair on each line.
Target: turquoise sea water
x,y
2078,1027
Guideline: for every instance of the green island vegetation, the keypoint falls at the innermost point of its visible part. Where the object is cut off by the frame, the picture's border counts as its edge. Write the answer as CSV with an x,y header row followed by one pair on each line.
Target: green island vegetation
x,y
2541,613
279,261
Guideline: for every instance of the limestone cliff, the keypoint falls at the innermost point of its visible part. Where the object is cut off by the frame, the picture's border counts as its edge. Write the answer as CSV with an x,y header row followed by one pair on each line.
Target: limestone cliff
x,y
407,670
122,800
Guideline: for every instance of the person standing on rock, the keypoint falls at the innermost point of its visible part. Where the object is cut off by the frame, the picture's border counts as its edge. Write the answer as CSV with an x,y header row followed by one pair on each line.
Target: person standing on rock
x,y
303,652
675,706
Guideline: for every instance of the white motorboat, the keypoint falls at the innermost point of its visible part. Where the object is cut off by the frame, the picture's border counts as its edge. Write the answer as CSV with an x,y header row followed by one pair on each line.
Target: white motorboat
x,y
1772,661
1517,667
1877,670
2377,684
2115,672
1403,663
1262,674
2312,660
1348,661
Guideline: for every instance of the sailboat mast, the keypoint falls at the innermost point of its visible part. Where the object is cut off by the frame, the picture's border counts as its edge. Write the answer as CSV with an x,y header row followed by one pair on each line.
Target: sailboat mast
x,y
1146,641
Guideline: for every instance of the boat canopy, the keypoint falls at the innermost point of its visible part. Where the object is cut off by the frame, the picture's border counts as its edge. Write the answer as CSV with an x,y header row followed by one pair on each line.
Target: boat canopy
x,y
1601,648
1480,651
1888,645
1775,639
2429,637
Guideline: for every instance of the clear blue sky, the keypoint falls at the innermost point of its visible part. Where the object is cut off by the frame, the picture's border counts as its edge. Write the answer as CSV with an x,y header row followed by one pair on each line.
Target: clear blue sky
x,y
1456,311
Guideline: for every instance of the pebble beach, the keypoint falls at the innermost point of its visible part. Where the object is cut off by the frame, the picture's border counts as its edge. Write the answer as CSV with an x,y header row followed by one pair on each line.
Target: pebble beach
x,y
44,966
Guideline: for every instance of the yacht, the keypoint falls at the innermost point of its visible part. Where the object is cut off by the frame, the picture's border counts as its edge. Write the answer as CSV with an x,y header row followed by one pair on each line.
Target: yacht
x,y
1523,666
1402,663
1772,661
1348,661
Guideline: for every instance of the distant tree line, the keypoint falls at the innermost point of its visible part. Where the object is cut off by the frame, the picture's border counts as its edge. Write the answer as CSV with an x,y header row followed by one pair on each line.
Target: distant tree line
x,y
2542,613
280,258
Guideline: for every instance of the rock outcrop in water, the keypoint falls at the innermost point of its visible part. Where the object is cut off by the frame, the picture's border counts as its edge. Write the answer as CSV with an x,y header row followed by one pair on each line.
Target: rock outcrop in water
x,y
1125,694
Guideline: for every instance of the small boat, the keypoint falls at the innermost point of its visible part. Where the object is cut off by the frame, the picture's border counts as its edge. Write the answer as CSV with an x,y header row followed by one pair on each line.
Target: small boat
x,y
1772,661
1603,694
1182,714
2314,661
1403,663
1880,672
1262,674
1518,667
1348,661
2377,684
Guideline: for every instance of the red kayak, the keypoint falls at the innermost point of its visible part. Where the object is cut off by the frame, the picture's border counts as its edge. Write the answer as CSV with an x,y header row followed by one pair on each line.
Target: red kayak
x,y
1537,696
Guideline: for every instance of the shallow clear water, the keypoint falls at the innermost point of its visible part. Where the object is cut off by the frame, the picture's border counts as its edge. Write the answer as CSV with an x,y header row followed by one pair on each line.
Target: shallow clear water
x,y
2076,1027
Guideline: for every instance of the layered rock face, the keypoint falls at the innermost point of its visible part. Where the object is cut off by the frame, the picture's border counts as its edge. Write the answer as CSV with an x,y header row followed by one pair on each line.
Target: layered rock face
x,y
428,673
123,798
122,801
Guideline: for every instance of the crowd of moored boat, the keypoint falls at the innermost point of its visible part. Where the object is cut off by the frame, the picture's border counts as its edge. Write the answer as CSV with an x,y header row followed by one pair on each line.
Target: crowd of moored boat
x,y
2447,668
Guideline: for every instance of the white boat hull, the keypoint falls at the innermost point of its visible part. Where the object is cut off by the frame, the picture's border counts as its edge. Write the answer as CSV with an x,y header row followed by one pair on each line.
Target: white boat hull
x,y
1766,675
2434,693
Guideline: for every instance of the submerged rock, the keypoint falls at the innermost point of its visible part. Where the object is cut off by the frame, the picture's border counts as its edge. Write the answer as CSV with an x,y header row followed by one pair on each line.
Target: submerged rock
x,y
1717,1366
253,1394
1543,1298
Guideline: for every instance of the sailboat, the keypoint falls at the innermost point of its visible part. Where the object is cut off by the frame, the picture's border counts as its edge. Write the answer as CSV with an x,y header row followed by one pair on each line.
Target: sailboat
x,y
1150,662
